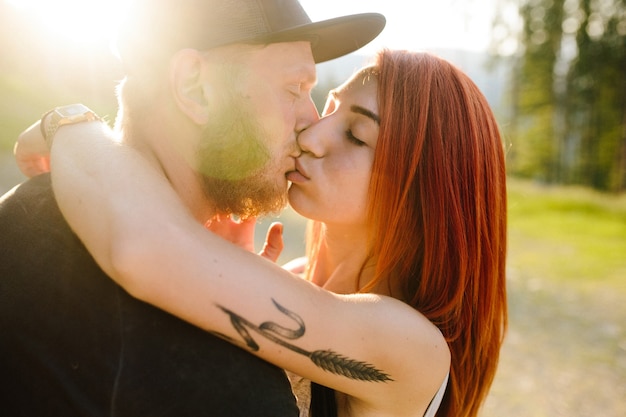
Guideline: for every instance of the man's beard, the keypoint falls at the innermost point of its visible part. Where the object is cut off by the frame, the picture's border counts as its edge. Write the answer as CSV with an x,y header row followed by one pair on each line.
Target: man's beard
x,y
246,198
235,164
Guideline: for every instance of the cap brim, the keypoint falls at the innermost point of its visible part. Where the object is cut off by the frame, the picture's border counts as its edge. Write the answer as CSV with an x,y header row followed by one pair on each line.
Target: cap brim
x,y
336,37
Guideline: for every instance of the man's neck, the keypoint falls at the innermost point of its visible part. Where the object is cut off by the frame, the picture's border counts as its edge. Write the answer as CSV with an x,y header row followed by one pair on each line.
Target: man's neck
x,y
157,148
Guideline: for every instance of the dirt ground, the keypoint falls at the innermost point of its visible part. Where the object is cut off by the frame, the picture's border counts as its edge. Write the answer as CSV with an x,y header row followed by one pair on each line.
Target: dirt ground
x,y
564,355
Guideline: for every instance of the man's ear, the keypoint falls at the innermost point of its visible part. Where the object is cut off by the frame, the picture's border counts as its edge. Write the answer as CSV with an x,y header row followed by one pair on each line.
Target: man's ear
x,y
188,87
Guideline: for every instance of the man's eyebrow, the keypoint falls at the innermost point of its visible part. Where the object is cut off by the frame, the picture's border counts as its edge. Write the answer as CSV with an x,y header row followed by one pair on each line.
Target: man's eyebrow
x,y
365,112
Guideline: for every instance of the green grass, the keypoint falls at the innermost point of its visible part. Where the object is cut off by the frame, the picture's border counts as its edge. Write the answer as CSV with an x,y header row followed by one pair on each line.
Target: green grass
x,y
565,351
567,234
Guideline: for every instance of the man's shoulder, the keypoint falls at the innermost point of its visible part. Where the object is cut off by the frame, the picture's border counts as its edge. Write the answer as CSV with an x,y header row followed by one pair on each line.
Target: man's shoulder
x,y
29,195
30,219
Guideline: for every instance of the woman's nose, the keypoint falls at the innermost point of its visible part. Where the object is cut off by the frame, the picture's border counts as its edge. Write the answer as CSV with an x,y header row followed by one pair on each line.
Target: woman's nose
x,y
311,140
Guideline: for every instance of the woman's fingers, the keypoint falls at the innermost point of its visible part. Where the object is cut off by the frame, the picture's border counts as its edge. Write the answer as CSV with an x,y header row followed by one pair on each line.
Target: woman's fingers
x,y
274,244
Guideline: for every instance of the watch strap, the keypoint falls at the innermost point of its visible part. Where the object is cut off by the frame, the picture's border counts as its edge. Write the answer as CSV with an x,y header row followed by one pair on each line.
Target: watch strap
x,y
64,115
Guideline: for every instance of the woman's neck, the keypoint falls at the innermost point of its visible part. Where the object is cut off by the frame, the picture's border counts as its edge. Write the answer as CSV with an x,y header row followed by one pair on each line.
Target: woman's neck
x,y
342,263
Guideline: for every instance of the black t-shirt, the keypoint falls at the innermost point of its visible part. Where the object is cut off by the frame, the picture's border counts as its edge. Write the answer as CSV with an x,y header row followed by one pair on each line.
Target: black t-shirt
x,y
74,343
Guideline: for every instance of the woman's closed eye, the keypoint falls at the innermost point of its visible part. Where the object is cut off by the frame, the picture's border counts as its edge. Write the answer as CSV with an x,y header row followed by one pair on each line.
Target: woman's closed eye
x,y
350,136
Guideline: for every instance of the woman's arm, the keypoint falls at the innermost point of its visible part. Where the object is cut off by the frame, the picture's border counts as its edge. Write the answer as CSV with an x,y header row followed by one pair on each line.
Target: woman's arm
x,y
32,156
374,348
79,164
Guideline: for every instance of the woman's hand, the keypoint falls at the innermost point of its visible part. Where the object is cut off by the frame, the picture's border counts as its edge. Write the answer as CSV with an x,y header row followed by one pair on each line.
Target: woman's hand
x,y
31,152
274,244
241,233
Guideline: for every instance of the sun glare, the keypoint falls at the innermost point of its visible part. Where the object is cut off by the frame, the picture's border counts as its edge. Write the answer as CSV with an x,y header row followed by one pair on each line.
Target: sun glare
x,y
441,23
79,21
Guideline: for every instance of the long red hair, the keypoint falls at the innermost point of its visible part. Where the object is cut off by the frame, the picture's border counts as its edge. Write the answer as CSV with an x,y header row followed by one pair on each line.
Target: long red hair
x,y
438,213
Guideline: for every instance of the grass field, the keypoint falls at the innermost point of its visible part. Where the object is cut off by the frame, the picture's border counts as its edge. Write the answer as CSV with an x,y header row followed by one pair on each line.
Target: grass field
x,y
565,351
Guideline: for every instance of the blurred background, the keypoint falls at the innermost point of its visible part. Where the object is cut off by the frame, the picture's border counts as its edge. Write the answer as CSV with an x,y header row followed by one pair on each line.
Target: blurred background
x,y
554,72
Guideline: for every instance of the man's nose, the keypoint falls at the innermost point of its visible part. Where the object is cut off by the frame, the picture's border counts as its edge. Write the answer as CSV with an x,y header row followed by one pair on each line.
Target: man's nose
x,y
306,114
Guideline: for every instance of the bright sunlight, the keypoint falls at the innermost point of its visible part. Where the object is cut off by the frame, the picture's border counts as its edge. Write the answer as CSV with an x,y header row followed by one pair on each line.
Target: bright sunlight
x,y
456,24
80,21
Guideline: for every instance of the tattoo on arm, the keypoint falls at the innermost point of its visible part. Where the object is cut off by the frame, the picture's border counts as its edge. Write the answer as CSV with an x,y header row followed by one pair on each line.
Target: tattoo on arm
x,y
326,359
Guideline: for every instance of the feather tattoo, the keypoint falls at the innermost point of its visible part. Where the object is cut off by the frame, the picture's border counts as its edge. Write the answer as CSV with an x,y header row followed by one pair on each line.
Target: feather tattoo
x,y
325,359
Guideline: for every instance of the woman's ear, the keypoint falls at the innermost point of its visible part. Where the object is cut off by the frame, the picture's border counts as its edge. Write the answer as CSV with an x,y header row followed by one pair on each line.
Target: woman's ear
x,y
188,86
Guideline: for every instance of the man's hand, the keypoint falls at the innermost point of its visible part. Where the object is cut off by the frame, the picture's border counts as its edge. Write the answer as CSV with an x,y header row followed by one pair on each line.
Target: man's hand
x,y
31,152
241,233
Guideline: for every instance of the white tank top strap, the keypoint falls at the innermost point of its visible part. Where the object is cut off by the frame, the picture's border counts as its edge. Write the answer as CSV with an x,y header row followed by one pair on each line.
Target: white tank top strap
x,y
436,401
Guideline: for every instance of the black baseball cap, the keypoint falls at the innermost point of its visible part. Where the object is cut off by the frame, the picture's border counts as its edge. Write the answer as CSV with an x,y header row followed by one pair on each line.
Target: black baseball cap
x,y
154,28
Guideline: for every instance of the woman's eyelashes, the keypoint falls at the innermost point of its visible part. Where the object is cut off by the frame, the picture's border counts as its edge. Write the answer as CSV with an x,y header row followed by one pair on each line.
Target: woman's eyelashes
x,y
354,139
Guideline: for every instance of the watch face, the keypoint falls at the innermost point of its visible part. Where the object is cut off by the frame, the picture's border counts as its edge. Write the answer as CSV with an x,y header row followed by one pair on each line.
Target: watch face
x,y
74,113
72,110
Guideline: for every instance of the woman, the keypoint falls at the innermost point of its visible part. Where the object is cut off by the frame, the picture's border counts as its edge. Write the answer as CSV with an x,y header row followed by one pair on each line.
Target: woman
x,y
404,182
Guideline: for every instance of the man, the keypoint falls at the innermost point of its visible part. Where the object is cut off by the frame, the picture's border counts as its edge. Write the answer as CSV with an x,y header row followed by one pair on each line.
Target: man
x,y
214,96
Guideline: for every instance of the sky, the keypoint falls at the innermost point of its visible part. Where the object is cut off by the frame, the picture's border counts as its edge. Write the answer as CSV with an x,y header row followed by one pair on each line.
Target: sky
x,y
411,24
419,24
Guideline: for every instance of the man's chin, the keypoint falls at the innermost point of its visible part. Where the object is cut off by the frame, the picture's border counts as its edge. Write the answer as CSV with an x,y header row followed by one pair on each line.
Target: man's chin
x,y
254,196
261,209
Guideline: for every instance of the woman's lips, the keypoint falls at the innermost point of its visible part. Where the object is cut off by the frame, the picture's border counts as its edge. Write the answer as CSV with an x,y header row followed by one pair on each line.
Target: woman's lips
x,y
298,175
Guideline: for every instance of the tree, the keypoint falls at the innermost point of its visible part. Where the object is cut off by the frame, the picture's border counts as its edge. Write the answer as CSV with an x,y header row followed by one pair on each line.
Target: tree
x,y
569,93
